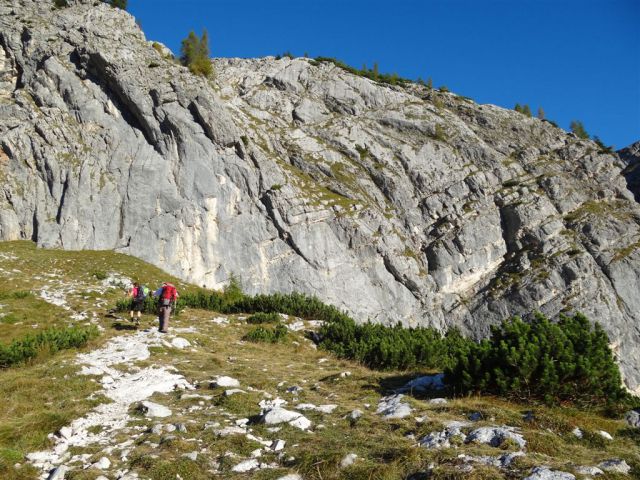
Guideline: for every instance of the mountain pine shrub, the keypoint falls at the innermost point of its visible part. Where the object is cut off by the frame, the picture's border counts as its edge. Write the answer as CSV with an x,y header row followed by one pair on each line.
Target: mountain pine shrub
x,y
578,129
568,361
261,317
267,334
48,341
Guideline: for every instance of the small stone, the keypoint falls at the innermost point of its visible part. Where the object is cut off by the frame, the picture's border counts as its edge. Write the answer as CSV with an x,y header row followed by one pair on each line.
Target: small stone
x,y
233,391
58,473
345,374
295,389
474,416
348,460
65,432
544,473
355,415
438,401
605,435
277,445
529,416
191,455
495,436
180,343
181,427
392,407
246,466
583,470
303,423
170,428
632,417
257,453
157,429
291,476
102,464
577,432
224,381
151,409
615,465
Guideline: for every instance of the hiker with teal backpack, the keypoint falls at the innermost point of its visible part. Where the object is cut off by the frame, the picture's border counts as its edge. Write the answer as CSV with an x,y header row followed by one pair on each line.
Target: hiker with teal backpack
x,y
138,293
168,297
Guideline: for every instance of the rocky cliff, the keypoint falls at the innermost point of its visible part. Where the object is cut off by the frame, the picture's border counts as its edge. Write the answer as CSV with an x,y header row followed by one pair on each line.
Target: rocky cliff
x,y
396,203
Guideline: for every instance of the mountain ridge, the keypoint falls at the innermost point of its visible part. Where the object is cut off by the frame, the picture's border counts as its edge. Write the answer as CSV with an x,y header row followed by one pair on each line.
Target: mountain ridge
x,y
394,203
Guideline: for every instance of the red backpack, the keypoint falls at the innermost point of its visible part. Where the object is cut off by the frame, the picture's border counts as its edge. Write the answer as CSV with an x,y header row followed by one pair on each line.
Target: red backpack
x,y
169,294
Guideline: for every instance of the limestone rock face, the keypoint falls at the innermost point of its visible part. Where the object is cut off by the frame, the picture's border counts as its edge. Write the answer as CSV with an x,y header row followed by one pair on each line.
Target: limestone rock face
x,y
396,203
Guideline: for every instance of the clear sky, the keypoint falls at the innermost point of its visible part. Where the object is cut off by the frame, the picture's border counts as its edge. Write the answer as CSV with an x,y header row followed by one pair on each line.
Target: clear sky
x,y
577,59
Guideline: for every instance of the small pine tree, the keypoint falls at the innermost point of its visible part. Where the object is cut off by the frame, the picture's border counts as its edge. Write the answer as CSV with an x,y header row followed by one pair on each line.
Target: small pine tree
x,y
376,71
526,110
578,129
541,113
518,108
195,54
430,83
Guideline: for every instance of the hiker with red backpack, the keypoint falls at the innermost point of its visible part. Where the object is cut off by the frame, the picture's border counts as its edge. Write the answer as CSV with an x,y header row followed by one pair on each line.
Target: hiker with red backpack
x,y
168,296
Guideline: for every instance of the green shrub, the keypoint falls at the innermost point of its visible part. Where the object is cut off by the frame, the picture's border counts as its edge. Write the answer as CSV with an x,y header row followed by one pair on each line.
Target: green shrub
x,y
260,317
21,294
568,361
372,74
267,335
51,341
99,275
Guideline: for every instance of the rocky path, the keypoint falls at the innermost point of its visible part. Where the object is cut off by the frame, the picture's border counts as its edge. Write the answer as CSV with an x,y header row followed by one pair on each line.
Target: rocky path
x,y
124,387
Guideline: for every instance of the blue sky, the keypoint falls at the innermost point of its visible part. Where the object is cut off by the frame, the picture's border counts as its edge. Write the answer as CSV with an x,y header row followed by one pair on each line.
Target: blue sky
x,y
576,59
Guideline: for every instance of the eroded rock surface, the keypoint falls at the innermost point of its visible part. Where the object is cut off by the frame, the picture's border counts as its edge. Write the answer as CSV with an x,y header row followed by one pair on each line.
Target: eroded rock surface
x,y
394,203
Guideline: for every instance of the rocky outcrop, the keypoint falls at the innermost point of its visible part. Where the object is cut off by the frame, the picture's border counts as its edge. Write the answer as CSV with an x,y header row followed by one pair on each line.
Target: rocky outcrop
x,y
631,156
396,203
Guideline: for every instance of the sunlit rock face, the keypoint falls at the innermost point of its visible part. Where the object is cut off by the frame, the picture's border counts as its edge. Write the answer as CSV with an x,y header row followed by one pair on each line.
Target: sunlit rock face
x,y
395,203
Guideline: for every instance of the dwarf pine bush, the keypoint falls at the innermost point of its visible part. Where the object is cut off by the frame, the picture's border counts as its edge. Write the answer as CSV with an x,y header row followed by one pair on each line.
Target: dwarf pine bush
x,y
48,341
261,317
267,334
568,361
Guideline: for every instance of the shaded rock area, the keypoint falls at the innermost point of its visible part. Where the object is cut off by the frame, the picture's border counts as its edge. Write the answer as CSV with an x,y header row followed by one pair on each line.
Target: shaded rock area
x,y
297,175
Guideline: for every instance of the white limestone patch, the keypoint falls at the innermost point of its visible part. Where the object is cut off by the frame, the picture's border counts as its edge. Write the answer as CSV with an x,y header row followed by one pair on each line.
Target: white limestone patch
x,y
545,473
443,438
122,388
495,436
317,408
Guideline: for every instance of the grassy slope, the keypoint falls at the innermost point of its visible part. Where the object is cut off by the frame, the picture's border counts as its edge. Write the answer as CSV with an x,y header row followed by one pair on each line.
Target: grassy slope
x,y
45,395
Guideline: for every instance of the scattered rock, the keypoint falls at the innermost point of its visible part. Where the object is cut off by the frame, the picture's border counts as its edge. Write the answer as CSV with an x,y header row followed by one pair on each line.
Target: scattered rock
x,y
277,445
544,473
355,415
246,466
291,476
392,407
224,381
65,432
605,435
170,428
181,427
632,417
102,464
348,460
495,436
58,473
295,389
438,401
474,416
583,470
191,455
443,438
233,391
151,409
423,384
615,465
321,408
180,343
529,416
279,415
577,433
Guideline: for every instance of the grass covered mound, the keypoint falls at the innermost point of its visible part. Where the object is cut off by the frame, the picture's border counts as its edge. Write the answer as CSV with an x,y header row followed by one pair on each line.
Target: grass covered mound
x,y
568,361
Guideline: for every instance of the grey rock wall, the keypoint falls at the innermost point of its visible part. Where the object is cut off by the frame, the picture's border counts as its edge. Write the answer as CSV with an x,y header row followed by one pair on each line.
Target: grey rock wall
x,y
394,203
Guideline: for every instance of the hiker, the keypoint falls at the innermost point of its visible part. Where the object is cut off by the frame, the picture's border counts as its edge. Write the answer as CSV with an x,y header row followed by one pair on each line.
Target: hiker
x,y
138,293
168,296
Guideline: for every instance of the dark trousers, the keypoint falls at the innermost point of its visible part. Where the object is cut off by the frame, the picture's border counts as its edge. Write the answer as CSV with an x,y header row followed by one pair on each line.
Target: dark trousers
x,y
163,316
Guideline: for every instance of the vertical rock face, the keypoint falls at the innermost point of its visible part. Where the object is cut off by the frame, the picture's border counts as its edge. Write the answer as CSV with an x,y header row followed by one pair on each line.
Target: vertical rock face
x,y
397,203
